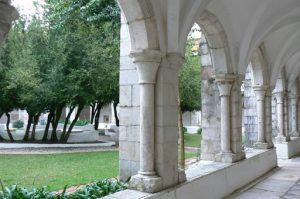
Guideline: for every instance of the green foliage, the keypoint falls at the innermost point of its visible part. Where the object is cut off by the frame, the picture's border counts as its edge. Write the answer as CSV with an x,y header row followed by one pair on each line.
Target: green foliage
x,y
66,56
99,188
199,131
190,81
18,124
82,122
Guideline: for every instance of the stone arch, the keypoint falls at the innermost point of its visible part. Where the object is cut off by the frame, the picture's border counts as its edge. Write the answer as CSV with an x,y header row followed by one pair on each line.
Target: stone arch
x,y
139,17
217,42
256,76
259,68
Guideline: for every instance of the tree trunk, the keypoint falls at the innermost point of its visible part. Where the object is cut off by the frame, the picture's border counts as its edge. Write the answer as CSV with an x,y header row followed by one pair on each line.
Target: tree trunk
x,y
55,121
49,118
66,137
116,114
1,138
26,136
93,105
97,116
7,127
35,122
72,108
181,158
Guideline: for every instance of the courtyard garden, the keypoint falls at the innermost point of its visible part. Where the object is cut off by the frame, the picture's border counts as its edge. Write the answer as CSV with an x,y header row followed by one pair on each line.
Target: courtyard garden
x,y
58,170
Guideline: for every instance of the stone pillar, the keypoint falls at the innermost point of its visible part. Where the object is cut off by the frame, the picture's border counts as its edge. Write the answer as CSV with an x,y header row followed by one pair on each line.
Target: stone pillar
x,y
236,102
294,114
268,119
260,92
147,63
225,83
280,117
7,14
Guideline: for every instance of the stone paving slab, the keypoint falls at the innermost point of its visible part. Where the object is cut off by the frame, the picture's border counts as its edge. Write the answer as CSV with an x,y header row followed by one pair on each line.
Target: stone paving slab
x,y
283,184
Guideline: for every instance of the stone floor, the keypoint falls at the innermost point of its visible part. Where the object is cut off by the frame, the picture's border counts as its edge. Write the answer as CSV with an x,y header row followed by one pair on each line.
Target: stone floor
x,y
283,183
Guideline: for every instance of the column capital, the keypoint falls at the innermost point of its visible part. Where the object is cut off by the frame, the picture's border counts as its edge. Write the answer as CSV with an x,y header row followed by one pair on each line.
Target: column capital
x,y
293,96
279,95
225,82
176,60
147,62
260,92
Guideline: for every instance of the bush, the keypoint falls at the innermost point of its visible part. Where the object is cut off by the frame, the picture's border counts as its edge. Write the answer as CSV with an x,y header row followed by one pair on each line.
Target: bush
x,y
184,130
18,124
199,131
82,122
99,188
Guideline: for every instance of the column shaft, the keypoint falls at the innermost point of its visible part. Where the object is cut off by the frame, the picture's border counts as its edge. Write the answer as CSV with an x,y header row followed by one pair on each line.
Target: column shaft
x,y
147,129
225,124
294,114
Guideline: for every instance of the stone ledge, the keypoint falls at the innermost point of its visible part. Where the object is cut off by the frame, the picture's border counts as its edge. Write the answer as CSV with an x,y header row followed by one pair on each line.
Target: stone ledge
x,y
213,180
286,150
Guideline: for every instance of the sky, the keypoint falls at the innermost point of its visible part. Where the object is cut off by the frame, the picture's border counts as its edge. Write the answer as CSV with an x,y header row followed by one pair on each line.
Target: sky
x,y
26,6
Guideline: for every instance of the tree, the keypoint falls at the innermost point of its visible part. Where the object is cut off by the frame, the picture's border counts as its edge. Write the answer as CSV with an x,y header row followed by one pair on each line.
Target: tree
x,y
97,24
189,92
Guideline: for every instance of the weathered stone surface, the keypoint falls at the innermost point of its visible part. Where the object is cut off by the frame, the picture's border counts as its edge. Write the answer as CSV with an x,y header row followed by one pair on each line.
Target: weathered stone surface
x,y
148,184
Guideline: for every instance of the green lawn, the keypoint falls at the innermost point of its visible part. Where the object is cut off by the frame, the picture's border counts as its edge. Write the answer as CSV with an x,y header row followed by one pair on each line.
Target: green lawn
x,y
192,140
58,170
191,155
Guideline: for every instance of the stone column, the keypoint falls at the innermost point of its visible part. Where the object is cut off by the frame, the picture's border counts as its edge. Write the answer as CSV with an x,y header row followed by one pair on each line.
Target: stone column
x,y
286,117
260,92
293,98
268,118
280,117
225,83
7,15
147,63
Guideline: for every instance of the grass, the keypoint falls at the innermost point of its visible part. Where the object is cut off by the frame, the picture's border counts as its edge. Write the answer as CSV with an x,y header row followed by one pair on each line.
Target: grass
x,y
192,140
58,170
191,155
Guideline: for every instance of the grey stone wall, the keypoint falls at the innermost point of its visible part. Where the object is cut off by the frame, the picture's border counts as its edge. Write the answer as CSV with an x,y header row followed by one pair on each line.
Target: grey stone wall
x,y
211,114
129,109
250,112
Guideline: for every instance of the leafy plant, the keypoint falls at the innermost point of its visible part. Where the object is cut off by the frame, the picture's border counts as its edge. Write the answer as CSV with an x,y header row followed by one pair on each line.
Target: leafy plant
x,y
18,124
82,122
199,131
99,188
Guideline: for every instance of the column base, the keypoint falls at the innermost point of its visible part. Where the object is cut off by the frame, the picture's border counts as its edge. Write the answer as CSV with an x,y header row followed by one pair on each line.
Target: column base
x,y
144,183
181,175
270,145
281,139
261,145
227,157
295,134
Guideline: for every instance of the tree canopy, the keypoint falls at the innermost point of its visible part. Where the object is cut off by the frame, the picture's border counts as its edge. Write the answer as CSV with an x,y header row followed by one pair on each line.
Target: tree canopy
x,y
67,56
190,80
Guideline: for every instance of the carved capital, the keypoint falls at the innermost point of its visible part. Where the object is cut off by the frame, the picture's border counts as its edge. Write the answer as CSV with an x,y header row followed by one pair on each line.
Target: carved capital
x,y
279,97
260,92
225,82
147,63
175,60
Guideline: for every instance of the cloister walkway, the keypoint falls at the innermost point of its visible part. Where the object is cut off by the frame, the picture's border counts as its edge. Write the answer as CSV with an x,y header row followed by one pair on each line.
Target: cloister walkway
x,y
283,183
